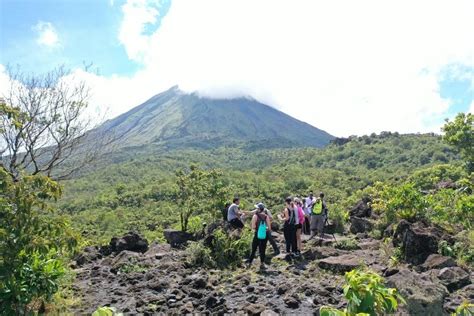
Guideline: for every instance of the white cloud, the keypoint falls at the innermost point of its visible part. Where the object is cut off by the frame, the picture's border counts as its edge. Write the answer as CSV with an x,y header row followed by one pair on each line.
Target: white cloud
x,y
47,34
349,67
137,14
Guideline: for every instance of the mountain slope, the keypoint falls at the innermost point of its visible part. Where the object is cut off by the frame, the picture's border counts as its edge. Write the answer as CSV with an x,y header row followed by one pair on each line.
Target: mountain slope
x,y
176,119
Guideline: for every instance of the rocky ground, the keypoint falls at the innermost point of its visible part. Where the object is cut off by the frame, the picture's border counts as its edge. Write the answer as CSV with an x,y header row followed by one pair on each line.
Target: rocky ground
x,y
140,279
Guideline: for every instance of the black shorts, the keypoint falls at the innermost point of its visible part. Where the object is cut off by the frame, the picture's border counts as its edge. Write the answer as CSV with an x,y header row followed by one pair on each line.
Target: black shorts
x,y
236,223
298,226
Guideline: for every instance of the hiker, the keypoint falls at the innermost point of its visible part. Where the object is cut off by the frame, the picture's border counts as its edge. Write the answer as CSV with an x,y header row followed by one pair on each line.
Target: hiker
x,y
234,214
225,210
261,207
289,229
308,206
318,217
261,224
299,226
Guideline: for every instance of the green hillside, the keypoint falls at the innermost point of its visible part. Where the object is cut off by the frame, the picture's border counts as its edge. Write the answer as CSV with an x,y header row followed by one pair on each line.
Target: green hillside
x,y
139,192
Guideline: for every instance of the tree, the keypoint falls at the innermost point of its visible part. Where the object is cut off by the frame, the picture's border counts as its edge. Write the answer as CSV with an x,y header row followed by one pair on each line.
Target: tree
x,y
460,134
199,192
43,124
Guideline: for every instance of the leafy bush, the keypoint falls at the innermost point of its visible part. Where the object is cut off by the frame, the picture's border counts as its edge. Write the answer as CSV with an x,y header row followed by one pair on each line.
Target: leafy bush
x,y
229,250
225,250
199,255
462,249
106,311
33,242
366,294
465,309
346,244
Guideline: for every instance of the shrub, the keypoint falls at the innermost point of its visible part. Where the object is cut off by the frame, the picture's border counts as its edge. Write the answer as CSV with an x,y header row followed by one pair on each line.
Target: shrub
x,y
346,244
33,242
366,293
465,309
199,255
106,311
229,250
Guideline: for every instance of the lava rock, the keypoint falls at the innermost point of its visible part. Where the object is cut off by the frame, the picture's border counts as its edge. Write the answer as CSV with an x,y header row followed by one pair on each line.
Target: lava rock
x,y
424,295
417,241
131,241
88,255
177,238
362,208
454,278
360,225
340,264
436,261
466,294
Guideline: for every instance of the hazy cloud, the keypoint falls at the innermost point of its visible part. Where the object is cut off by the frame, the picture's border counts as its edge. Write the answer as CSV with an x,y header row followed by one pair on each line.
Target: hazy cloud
x,y
47,35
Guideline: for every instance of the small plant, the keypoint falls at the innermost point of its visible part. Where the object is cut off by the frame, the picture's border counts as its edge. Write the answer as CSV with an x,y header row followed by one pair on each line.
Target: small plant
x,y
198,254
347,244
366,295
393,254
132,267
465,309
106,311
229,250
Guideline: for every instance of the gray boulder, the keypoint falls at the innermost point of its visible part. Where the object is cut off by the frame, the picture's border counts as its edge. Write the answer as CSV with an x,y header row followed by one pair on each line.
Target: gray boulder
x,y
177,238
360,225
340,264
424,295
417,241
466,294
362,208
454,278
436,261
132,241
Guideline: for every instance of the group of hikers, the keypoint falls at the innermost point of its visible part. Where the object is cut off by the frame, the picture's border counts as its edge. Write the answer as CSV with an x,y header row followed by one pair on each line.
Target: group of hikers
x,y
300,216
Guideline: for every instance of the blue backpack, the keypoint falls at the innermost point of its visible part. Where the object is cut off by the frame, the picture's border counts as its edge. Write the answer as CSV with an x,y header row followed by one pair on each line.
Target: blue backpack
x,y
262,228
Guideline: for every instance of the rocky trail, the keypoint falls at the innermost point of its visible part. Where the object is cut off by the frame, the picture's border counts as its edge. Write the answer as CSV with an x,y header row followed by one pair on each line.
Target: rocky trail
x,y
139,279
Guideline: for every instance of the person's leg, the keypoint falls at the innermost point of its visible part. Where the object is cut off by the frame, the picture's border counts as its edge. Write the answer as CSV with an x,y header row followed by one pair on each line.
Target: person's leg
x,y
254,249
286,233
313,226
272,241
292,235
298,239
262,245
321,225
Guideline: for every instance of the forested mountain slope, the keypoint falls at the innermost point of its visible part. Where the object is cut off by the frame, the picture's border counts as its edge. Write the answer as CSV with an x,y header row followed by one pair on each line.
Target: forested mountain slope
x,y
174,119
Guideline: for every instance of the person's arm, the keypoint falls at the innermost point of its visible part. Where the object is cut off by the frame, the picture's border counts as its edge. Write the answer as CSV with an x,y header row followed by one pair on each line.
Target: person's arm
x,y
286,214
269,223
254,222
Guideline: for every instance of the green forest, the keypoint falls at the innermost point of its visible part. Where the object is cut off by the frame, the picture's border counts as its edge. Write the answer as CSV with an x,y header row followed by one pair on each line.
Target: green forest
x,y
142,193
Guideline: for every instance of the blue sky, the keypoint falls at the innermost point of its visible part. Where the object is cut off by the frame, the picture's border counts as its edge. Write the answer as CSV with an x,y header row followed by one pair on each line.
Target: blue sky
x,y
310,59
87,33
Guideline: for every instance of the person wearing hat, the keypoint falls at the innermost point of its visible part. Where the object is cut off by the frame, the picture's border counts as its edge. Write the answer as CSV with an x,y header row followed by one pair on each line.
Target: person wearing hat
x,y
261,224
261,207
318,217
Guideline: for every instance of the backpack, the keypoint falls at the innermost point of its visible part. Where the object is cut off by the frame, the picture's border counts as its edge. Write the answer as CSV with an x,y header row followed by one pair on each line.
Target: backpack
x,y
262,228
292,215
